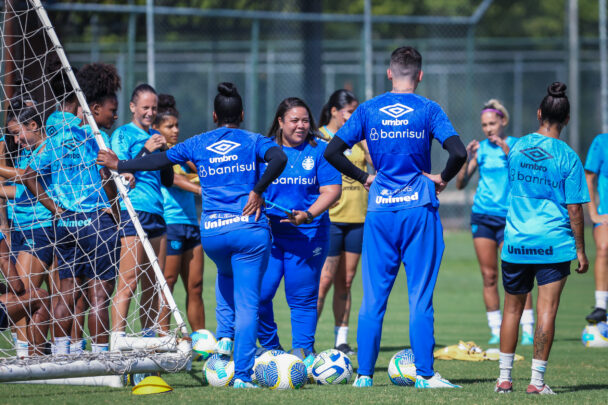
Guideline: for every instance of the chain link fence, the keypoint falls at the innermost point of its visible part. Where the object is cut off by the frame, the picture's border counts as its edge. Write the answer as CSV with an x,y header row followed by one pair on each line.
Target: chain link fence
x,y
272,50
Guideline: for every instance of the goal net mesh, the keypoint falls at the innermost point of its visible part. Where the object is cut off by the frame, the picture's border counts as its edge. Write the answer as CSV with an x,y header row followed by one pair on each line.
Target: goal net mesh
x,y
60,272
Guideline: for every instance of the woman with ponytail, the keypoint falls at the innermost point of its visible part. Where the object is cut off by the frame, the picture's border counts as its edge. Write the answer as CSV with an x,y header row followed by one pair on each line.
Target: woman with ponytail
x,y
543,234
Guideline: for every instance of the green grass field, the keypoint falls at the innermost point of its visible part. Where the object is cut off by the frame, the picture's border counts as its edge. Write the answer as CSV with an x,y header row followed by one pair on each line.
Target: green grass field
x,y
577,374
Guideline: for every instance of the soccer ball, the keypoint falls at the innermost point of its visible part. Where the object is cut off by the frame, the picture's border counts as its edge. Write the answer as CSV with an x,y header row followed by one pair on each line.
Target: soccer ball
x,y
401,368
595,335
308,358
203,344
284,371
259,367
332,367
218,371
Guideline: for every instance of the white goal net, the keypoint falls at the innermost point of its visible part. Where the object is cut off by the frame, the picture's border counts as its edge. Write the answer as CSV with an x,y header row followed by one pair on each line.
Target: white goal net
x,y
63,277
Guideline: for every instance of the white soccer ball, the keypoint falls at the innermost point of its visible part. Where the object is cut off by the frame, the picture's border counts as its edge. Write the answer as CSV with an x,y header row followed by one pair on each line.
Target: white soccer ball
x,y
259,365
595,335
283,372
203,344
332,367
401,368
218,371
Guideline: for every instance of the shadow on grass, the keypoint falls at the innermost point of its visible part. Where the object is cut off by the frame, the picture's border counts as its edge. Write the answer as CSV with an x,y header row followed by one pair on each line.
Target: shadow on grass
x,y
583,387
393,348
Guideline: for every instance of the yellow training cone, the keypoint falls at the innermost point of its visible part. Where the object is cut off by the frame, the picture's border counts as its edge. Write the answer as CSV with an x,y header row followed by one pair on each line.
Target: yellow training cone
x,y
151,385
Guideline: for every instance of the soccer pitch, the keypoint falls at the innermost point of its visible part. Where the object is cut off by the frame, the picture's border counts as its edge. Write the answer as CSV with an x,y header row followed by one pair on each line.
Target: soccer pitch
x,y
575,373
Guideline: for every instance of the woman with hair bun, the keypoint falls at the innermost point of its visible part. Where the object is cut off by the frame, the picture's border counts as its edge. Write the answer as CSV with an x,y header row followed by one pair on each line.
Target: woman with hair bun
x,y
490,209
184,250
543,234
234,231
347,217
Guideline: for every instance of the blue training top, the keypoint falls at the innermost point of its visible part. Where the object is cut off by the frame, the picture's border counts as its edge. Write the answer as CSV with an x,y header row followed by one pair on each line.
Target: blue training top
x,y
399,128
545,175
597,163
298,188
492,195
127,141
69,159
227,160
28,213
179,204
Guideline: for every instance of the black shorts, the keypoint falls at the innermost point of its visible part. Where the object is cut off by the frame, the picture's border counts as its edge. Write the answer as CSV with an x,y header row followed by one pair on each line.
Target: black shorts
x,y
182,237
153,224
37,242
344,237
88,245
488,226
3,316
518,278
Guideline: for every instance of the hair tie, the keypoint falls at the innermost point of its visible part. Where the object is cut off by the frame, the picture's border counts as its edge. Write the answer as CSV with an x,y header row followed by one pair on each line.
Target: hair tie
x,y
494,110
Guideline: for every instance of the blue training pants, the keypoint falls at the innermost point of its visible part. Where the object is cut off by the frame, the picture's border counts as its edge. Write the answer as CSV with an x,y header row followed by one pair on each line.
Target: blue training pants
x,y
241,261
300,260
413,236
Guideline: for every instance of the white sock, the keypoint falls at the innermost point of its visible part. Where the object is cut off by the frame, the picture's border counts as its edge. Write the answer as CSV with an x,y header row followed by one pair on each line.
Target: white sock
x,y
62,345
600,299
99,347
505,363
76,346
341,335
527,321
538,372
22,348
494,321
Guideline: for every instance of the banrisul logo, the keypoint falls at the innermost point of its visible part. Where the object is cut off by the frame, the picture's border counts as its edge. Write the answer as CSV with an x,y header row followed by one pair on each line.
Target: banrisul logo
x,y
223,147
537,154
396,111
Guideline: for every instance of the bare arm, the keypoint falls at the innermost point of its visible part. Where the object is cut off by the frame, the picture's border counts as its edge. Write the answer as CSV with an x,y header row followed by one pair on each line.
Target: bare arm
x,y
182,182
577,223
468,169
594,197
327,196
7,192
368,157
11,173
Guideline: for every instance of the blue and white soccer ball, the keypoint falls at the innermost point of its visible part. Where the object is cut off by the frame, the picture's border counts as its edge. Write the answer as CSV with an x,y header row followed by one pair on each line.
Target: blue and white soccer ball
x,y
308,358
332,367
218,371
595,335
203,344
259,367
283,372
401,368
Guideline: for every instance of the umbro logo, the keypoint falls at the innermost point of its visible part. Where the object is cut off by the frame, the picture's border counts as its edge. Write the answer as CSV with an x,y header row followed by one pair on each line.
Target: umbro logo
x,y
396,110
537,154
223,147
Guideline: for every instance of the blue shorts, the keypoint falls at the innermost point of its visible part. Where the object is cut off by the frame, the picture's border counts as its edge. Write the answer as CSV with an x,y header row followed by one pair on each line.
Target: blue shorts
x,y
88,245
153,224
3,316
344,237
518,278
488,226
37,242
181,238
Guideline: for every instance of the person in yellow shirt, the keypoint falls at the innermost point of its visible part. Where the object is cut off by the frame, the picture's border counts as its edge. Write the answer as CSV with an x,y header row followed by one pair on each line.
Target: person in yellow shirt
x,y
347,217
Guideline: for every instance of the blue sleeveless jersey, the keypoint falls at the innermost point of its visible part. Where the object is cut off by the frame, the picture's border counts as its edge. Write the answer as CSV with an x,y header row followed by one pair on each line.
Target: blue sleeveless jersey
x,y
28,213
127,141
180,205
298,188
597,162
227,160
492,195
69,160
399,128
545,175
